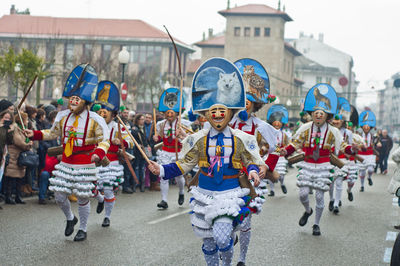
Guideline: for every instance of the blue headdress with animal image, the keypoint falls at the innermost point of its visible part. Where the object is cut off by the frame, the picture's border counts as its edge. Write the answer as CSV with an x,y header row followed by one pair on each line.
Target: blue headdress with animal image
x,y
217,81
255,79
108,96
82,82
354,115
344,109
278,112
321,97
367,117
169,100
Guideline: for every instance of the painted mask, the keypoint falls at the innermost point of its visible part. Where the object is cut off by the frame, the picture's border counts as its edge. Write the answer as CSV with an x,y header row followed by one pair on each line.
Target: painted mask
x,y
170,116
219,116
319,117
76,104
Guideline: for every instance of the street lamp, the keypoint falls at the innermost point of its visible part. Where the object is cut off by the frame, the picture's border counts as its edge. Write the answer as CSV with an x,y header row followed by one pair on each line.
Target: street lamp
x,y
123,59
17,68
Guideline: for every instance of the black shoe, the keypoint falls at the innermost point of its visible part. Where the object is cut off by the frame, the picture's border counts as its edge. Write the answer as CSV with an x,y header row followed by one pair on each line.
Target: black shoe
x,y
236,240
18,200
310,192
336,210
69,229
370,182
315,230
284,189
303,220
240,263
362,189
340,203
42,202
106,222
9,200
271,193
350,196
162,205
127,190
331,205
80,236
181,199
397,227
100,207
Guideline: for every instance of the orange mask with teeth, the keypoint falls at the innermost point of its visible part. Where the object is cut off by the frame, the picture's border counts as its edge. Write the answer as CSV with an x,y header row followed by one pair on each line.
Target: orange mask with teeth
x,y
219,116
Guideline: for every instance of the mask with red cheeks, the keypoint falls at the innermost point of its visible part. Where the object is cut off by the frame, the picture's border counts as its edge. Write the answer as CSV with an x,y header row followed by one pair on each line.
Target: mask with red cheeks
x,y
170,115
277,124
219,116
319,117
366,128
105,114
76,104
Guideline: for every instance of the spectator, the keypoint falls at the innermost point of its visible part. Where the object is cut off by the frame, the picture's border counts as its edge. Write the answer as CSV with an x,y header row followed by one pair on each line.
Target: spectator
x,y
7,105
149,176
32,173
14,173
6,135
384,146
148,125
138,132
125,116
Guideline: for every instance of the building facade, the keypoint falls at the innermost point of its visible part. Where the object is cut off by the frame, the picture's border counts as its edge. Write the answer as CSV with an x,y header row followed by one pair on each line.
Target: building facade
x,y
66,42
388,107
257,31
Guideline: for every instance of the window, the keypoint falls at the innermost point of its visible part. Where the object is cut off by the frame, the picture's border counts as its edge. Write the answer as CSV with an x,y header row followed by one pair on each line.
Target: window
x,y
106,52
142,54
318,79
48,87
328,80
69,55
87,52
50,51
133,53
256,32
237,31
247,31
267,32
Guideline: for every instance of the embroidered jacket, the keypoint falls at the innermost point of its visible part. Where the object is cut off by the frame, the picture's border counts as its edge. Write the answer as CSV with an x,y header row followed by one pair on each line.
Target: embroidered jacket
x,y
240,152
330,140
166,132
114,134
368,142
91,135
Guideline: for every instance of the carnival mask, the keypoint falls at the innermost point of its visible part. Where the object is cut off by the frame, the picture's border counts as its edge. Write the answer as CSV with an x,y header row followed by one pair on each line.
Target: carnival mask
x,y
319,117
277,124
170,115
76,104
219,116
105,114
337,123
366,128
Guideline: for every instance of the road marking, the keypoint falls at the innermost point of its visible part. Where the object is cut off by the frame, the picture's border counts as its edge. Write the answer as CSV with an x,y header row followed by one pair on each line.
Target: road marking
x,y
388,255
169,217
391,236
395,204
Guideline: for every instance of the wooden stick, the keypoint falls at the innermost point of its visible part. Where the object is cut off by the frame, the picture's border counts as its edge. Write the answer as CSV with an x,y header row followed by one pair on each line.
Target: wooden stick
x,y
134,140
154,122
26,93
187,129
20,119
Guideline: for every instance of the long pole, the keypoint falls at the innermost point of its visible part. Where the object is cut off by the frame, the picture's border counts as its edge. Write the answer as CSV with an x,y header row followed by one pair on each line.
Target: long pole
x,y
134,140
123,73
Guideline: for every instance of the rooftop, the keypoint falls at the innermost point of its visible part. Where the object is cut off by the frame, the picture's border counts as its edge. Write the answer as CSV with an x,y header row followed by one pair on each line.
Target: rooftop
x,y
255,10
215,41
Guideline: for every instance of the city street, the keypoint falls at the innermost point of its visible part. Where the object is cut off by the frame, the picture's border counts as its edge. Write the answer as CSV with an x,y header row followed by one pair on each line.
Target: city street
x,y
142,235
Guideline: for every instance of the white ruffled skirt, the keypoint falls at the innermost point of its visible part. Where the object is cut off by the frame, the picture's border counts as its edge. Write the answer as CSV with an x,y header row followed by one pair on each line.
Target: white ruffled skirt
x,y
281,166
369,161
111,175
317,176
352,171
207,206
74,178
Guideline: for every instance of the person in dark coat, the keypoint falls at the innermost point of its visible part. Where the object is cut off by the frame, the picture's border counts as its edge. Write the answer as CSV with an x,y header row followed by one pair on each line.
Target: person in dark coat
x,y
385,145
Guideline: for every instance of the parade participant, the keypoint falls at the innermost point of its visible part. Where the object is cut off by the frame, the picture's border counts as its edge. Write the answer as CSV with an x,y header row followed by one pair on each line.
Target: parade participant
x,y
197,121
257,87
367,121
167,131
320,141
339,121
80,131
107,105
219,204
278,116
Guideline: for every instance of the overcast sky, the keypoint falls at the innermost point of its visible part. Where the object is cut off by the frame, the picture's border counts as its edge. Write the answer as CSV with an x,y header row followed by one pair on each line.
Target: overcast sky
x,y
365,29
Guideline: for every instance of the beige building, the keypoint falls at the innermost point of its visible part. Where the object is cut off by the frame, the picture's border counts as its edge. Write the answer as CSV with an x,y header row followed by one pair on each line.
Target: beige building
x,y
66,42
257,31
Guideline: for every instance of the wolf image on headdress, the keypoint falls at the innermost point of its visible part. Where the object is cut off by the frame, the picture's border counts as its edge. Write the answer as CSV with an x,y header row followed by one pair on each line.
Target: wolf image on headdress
x,y
229,89
321,98
170,99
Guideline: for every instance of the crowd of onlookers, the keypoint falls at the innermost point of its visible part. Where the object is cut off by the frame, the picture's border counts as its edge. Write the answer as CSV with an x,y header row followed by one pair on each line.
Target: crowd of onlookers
x,y
18,181
383,144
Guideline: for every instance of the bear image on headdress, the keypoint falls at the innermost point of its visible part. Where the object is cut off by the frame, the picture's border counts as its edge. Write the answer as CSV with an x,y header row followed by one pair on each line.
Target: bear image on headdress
x,y
170,99
254,83
321,98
